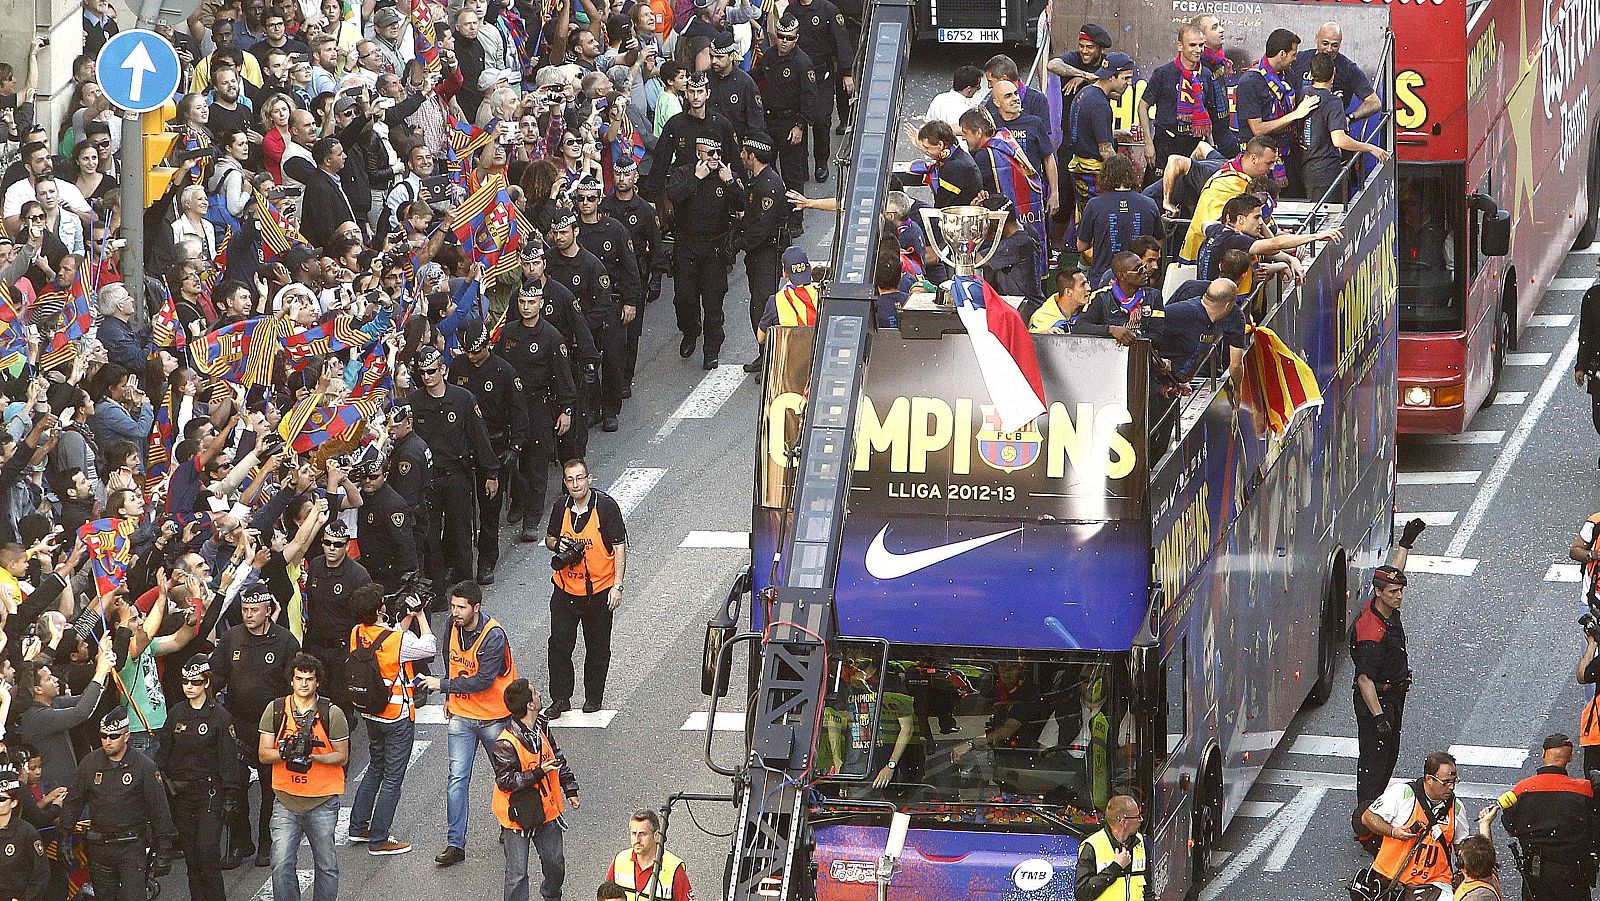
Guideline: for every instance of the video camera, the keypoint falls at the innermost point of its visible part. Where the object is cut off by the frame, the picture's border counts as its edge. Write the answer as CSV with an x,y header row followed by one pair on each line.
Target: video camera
x,y
411,597
297,748
1590,624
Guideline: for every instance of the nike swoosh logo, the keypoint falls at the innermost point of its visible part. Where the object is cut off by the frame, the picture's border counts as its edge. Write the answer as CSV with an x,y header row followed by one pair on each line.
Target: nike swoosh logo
x,y
883,563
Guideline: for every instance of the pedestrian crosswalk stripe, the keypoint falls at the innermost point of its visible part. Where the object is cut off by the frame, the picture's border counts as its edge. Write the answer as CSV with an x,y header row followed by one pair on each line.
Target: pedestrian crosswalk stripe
x,y
727,721
305,876
1477,755
702,538
1258,809
1347,782
1325,745
1510,399
705,400
1564,572
1442,566
1481,436
631,487
1527,359
577,719
1550,320
341,831
1439,477
431,715
1440,518
1573,283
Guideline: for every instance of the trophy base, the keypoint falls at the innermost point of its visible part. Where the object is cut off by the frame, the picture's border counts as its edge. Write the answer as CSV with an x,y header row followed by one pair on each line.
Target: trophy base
x,y
928,315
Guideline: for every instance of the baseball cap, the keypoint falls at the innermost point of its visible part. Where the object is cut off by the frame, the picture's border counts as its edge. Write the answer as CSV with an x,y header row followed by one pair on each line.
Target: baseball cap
x,y
345,104
9,782
1115,64
1095,33
490,76
797,266
1388,575
386,16
1558,740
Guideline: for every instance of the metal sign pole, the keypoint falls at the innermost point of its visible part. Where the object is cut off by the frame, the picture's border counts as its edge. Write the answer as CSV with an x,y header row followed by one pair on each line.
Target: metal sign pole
x,y
132,172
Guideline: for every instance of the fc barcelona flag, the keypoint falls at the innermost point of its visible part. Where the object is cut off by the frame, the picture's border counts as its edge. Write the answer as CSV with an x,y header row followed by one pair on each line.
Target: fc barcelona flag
x,y
243,352
13,339
159,453
110,547
466,138
1277,383
322,340
166,331
1006,169
375,374
424,39
308,427
76,320
278,233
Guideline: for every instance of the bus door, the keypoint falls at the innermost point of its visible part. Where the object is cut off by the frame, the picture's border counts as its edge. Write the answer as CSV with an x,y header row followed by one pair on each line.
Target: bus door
x,y
1170,818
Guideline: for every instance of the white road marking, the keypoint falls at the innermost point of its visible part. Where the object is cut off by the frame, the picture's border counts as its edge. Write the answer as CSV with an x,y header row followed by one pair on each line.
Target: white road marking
x,y
1440,518
1325,745
1487,436
1347,782
1564,572
631,487
1244,860
1295,819
1510,399
431,715
1513,448
1550,320
341,831
1444,566
727,721
1573,283
699,538
577,719
1217,858
1527,359
264,893
1437,477
705,400
1478,755
1258,809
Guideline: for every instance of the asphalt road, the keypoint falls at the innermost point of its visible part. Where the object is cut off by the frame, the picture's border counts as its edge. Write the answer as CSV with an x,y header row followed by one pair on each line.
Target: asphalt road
x,y
1491,627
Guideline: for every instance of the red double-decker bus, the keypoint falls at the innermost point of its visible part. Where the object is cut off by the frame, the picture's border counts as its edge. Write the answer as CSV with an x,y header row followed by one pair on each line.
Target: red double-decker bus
x,y
1495,125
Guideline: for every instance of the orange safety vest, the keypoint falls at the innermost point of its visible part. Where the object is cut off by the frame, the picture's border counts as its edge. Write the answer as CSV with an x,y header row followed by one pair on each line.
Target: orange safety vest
x,y
323,779
554,801
1589,735
1431,863
797,305
490,703
396,675
1591,569
597,570
1469,884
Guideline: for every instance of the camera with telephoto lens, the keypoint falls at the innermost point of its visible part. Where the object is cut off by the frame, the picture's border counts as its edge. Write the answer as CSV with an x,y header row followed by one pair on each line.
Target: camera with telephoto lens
x,y
1590,624
296,749
567,552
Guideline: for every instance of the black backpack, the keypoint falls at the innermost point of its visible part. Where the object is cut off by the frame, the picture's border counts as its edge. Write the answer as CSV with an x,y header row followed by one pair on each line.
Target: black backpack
x,y
369,691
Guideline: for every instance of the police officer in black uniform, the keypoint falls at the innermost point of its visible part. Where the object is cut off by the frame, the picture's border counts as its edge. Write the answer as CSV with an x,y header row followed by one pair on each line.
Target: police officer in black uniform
x,y
499,392
612,245
126,800
733,91
332,578
638,216
824,38
1552,817
534,348
583,273
789,96
408,469
706,194
561,310
675,147
763,230
200,759
386,526
24,869
447,418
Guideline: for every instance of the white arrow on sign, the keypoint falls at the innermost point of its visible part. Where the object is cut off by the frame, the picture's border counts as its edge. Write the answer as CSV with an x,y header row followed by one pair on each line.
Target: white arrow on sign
x,y
138,63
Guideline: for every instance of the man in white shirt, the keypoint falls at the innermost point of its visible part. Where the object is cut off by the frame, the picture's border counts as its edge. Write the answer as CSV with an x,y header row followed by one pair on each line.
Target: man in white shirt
x,y
962,96
38,165
1420,823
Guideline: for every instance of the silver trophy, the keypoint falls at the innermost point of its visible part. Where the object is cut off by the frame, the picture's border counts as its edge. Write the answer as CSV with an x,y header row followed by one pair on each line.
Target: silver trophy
x,y
963,236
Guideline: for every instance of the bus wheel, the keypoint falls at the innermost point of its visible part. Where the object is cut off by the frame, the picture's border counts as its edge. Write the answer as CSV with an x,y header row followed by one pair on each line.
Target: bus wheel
x,y
1330,630
1502,337
1585,235
1207,826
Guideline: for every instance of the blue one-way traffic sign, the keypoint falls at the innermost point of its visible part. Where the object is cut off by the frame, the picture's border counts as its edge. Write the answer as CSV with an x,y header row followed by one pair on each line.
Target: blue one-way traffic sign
x,y
138,70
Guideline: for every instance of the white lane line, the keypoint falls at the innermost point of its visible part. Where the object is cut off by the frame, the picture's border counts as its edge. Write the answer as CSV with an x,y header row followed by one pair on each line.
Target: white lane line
x,y
1258,809
1325,745
1482,436
341,831
1558,374
1244,860
1437,477
1295,820
431,715
264,893
1564,572
1550,320
1510,399
1216,859
699,538
727,721
631,487
1443,566
705,400
1479,755
1347,782
1573,283
1527,359
577,719
1443,518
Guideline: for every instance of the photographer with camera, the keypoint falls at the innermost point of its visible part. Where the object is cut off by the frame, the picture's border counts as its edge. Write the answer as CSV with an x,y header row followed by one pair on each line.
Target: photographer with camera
x,y
532,786
387,705
589,543
306,741
1383,674
1552,817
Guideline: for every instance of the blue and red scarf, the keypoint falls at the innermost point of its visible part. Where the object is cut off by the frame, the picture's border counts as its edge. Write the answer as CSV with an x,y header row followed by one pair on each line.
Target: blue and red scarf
x,y
1007,171
1192,100
1283,103
1132,304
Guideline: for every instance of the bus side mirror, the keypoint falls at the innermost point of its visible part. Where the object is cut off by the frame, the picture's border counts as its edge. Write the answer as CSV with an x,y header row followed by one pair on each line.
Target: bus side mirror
x,y
1494,235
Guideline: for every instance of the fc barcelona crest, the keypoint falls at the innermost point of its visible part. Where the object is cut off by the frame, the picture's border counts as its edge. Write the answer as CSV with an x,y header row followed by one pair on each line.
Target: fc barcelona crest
x,y
1008,451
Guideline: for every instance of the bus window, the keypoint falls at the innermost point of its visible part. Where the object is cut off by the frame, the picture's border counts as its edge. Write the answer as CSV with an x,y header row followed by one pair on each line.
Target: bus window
x,y
1174,671
970,730
1432,289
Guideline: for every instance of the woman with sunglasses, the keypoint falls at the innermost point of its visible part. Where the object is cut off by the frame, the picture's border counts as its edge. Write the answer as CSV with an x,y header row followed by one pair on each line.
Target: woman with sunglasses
x,y
201,765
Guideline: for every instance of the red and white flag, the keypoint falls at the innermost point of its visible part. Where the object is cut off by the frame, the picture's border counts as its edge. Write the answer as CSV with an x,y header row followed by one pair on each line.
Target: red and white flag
x,y
1004,349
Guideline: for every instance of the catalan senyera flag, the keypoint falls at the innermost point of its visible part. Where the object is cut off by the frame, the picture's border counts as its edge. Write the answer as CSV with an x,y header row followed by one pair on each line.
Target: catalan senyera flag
x,y
1278,384
165,329
337,334
110,546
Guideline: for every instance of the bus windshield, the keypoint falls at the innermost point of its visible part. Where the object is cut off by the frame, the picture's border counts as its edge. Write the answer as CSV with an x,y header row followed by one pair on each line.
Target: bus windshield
x,y
1432,248
979,737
